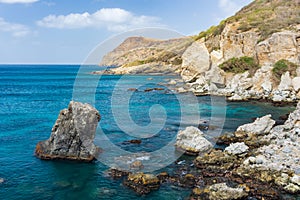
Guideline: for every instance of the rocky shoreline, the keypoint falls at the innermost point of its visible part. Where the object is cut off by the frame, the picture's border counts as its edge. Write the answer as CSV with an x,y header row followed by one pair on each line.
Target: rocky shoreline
x,y
261,161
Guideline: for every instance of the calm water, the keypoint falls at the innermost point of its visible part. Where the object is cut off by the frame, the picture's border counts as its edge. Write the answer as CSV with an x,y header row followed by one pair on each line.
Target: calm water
x,y
31,98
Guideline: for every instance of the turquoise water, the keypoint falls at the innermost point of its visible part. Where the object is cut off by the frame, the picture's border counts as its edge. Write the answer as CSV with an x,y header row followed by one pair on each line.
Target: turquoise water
x,y
31,97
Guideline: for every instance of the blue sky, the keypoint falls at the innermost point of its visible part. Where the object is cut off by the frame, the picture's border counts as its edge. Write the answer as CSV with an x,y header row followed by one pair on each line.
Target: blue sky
x,y
65,31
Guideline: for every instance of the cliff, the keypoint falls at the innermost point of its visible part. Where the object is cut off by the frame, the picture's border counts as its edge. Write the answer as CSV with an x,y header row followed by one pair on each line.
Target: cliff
x,y
254,54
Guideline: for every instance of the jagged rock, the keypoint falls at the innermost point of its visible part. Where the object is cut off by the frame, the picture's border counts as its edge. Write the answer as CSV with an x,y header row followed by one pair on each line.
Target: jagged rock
x,y
237,148
220,191
260,126
192,141
72,135
142,183
286,82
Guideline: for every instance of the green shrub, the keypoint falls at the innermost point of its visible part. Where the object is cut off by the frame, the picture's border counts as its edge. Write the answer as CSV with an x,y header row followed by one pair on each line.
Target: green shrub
x,y
240,65
282,66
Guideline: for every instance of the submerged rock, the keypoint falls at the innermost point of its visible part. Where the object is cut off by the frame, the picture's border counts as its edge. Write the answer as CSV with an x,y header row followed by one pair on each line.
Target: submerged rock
x,y
72,135
192,141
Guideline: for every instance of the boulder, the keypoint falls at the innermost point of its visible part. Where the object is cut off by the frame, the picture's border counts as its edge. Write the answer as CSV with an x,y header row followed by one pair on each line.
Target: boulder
x,y
192,141
195,60
220,191
237,148
72,135
260,126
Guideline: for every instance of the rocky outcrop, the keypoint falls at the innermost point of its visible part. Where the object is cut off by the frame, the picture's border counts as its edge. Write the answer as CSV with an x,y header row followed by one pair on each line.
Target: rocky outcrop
x,y
281,45
142,183
72,135
192,141
283,152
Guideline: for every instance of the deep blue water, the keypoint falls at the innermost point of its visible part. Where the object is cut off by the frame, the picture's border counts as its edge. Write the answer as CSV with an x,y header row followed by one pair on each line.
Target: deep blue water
x,y
31,97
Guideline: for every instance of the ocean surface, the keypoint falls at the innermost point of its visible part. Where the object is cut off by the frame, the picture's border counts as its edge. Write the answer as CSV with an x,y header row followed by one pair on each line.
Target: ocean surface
x,y
31,97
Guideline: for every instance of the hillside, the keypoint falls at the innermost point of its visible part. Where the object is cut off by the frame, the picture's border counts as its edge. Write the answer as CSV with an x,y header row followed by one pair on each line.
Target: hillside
x,y
143,55
251,55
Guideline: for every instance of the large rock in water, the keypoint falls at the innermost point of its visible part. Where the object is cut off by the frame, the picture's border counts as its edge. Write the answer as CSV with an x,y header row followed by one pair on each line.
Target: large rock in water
x,y
72,135
192,141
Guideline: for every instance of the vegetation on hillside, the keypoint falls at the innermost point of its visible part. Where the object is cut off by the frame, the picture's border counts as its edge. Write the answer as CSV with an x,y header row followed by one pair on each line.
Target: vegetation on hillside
x,y
283,66
263,16
165,57
240,65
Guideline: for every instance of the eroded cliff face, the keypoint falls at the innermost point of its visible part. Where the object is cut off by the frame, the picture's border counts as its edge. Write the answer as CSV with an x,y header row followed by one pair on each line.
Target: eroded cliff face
x,y
200,68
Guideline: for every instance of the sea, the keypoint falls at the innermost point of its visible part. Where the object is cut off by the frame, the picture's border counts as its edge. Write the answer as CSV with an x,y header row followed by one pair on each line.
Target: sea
x,y
131,107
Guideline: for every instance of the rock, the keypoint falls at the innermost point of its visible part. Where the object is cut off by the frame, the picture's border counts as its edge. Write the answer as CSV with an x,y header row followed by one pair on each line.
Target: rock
x,y
195,60
132,89
292,188
172,82
221,191
116,173
236,97
142,183
296,180
72,135
163,177
260,126
192,141
137,165
286,82
134,141
237,148
296,83
216,162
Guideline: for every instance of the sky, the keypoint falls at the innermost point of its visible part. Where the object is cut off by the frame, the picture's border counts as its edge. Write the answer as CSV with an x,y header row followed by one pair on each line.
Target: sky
x,y
66,31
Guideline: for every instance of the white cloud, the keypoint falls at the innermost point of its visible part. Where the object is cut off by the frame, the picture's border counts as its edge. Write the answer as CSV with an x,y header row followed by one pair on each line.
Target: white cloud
x,y
18,1
113,19
228,6
17,30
